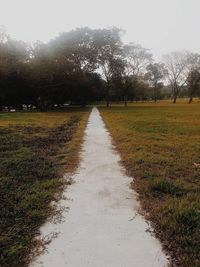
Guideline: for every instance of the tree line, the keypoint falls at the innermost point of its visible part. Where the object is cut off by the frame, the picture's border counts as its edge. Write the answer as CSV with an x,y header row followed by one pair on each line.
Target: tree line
x,y
86,65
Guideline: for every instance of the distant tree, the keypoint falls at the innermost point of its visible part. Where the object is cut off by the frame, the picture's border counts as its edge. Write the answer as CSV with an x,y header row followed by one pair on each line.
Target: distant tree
x,y
177,65
97,87
77,46
51,77
14,56
193,79
142,90
128,83
193,83
3,35
86,65
137,58
156,72
109,46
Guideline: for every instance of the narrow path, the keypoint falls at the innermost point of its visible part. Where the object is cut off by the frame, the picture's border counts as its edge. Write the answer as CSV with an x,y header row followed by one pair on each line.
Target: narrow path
x,y
102,227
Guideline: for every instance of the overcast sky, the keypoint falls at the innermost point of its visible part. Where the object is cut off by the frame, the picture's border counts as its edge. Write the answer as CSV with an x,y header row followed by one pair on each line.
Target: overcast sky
x,y
161,25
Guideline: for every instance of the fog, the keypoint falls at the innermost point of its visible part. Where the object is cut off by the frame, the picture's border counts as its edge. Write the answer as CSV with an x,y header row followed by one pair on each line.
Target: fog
x,y
161,25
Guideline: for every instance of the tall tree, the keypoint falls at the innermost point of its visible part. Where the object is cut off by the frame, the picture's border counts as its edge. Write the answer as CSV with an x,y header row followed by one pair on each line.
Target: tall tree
x,y
51,76
193,79
14,56
156,72
137,58
193,83
109,46
77,46
177,65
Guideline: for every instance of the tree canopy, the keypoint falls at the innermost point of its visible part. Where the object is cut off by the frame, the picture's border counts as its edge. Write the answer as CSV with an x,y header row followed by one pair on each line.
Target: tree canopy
x,y
86,65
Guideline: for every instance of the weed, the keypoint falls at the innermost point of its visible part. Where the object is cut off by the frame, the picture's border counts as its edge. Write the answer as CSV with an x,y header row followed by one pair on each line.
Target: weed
x,y
163,186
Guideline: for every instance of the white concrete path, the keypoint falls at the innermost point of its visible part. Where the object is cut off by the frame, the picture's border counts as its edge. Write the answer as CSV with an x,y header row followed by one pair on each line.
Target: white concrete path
x,y
102,227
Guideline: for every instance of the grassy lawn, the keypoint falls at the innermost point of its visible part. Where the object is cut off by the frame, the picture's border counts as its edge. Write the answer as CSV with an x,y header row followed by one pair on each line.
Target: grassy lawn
x,y
160,147
36,149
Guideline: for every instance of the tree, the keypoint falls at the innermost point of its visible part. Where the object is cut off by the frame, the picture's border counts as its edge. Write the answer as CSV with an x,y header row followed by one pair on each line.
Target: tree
x,y
193,83
156,72
193,79
109,46
142,90
51,77
137,58
128,83
77,46
14,56
86,65
177,65
181,65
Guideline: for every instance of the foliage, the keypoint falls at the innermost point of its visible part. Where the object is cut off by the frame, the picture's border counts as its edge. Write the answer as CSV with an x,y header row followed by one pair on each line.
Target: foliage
x,y
86,65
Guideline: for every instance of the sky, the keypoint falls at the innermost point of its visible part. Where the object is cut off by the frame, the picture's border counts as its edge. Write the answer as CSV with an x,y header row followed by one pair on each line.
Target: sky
x,y
160,25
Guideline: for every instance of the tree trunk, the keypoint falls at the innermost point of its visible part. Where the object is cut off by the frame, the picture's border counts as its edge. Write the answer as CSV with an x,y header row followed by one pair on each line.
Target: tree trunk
x,y
83,105
174,100
108,96
125,101
190,100
43,106
176,90
154,93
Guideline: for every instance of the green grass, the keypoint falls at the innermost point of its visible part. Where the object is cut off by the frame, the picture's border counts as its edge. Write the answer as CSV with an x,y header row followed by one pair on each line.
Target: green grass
x,y
36,149
160,147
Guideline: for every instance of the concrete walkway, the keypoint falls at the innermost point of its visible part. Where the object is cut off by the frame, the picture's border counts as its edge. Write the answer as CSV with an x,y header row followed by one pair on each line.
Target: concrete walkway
x,y
102,227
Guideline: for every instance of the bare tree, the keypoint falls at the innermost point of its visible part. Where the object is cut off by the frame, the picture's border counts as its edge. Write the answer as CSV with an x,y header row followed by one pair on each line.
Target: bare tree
x,y
178,66
183,68
137,58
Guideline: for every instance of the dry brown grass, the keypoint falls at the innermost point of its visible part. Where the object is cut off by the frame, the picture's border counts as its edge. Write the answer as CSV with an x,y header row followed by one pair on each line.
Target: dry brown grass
x,y
36,149
160,145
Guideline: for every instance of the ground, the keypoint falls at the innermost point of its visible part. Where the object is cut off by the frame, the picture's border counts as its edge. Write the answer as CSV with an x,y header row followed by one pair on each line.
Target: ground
x,y
36,149
159,145
102,226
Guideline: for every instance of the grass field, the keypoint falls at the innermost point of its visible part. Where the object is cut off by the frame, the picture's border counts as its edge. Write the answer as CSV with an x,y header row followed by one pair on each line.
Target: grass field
x,y
160,147
36,149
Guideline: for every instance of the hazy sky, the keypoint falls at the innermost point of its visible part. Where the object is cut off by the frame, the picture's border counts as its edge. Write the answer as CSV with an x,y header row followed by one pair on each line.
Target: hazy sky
x,y
161,25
